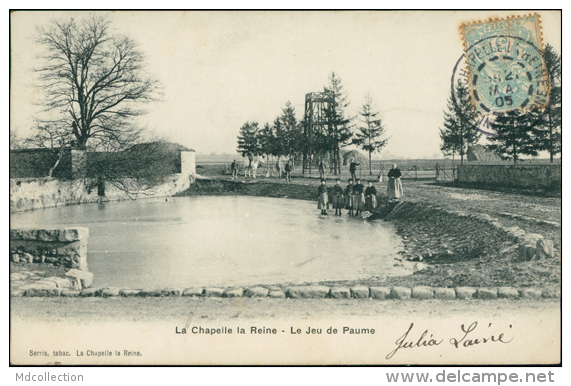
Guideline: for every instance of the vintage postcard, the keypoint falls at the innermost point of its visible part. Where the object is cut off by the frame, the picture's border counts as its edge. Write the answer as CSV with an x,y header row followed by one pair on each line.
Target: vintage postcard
x,y
285,188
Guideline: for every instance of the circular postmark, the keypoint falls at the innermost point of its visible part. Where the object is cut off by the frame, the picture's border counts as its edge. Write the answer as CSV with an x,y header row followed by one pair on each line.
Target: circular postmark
x,y
500,74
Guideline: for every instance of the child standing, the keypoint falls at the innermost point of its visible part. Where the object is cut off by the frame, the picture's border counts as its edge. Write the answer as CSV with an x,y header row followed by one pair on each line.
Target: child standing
x,y
370,197
322,198
338,197
358,197
349,197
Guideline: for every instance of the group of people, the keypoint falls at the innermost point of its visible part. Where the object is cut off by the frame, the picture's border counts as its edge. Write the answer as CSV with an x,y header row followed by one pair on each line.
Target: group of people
x,y
355,197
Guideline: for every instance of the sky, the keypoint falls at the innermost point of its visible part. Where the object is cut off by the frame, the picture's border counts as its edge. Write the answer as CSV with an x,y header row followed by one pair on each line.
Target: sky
x,y
219,70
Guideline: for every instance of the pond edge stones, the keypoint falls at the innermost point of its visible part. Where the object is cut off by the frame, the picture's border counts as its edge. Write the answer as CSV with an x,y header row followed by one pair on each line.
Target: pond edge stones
x,y
417,293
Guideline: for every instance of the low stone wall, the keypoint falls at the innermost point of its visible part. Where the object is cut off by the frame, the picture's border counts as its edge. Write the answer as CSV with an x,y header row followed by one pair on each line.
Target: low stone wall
x,y
546,176
62,247
29,194
303,292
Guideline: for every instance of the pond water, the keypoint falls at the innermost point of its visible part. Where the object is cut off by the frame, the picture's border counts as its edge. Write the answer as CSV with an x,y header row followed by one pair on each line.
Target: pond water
x,y
223,241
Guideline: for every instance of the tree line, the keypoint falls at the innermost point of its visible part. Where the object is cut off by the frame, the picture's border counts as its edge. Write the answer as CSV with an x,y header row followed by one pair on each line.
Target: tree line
x,y
518,133
286,137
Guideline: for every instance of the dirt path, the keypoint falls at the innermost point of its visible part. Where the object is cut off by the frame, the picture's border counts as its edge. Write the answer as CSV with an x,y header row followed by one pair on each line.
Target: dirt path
x,y
179,310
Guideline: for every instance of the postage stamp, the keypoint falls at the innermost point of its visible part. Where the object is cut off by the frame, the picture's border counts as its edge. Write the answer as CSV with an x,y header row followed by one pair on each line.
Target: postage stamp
x,y
505,65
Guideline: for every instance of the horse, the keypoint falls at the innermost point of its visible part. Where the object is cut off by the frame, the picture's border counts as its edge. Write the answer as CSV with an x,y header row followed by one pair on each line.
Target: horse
x,y
251,166
280,168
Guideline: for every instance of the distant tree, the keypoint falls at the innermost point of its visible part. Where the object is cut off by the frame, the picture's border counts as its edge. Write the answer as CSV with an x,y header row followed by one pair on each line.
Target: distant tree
x,y
517,135
339,132
550,126
248,141
291,131
458,132
93,79
267,141
280,144
368,136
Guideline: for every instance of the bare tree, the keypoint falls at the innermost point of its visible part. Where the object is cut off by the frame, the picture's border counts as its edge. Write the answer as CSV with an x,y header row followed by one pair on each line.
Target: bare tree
x,y
52,135
15,140
94,78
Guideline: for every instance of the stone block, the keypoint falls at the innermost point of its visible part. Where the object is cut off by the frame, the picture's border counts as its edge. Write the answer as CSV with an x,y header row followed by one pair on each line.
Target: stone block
x,y
530,293
360,292
307,292
516,232
73,234
528,246
18,276
508,293
66,293
400,293
61,282
47,234
544,249
129,292
340,293
18,293
551,293
175,292
277,294
157,293
43,292
465,293
107,292
380,293
234,293
422,293
256,292
213,292
85,277
487,293
89,292
46,283
445,293
193,292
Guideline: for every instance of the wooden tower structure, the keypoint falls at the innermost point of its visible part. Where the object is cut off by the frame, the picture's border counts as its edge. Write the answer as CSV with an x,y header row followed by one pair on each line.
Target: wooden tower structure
x,y
316,123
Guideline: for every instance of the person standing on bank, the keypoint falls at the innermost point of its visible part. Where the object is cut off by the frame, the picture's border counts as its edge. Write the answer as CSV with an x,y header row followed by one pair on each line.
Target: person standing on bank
x,y
394,188
371,197
322,198
358,197
234,168
288,170
353,169
338,197
321,170
349,197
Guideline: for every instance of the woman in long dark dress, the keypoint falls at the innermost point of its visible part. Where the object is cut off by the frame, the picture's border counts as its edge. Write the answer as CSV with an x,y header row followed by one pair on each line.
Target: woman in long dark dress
x,y
394,188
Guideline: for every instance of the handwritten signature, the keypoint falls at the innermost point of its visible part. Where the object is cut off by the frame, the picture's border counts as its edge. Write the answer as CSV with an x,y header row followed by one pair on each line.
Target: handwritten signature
x,y
466,338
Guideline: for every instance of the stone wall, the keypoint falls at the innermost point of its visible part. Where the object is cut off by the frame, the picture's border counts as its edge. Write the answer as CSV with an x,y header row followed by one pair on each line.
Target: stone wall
x,y
34,163
28,194
546,176
65,247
